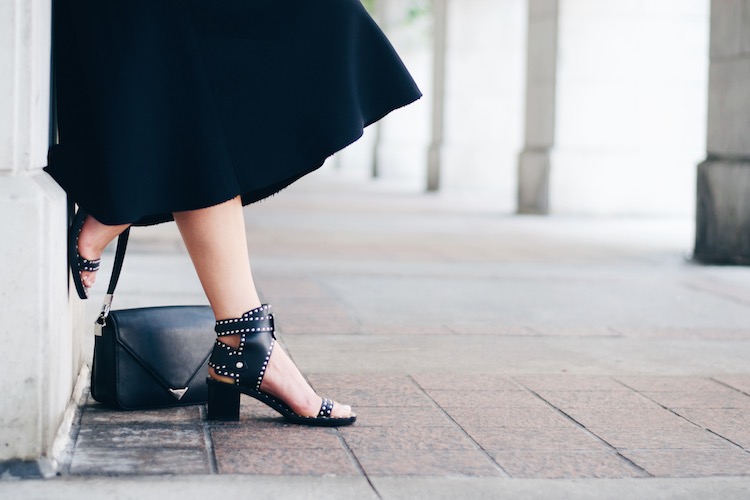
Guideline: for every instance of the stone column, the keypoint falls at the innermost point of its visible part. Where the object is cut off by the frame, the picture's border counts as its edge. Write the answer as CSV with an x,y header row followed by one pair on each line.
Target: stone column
x,y
439,35
615,107
394,150
40,357
723,208
484,52
541,105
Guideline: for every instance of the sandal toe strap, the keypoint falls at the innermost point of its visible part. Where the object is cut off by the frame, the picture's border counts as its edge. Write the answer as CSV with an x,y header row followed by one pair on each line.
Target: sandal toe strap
x,y
88,265
326,407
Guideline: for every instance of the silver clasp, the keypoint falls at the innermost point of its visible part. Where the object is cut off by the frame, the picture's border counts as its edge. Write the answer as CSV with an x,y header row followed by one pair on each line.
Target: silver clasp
x,y
101,321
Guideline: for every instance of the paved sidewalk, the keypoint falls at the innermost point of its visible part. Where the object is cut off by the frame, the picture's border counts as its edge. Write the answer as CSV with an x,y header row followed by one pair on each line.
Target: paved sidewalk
x,y
485,355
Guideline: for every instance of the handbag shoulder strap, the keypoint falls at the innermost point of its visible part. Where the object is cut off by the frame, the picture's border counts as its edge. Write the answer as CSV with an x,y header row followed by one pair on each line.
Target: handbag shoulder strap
x,y
122,245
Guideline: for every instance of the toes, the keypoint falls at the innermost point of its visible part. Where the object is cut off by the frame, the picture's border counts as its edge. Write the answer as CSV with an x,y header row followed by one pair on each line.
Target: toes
x,y
340,410
88,279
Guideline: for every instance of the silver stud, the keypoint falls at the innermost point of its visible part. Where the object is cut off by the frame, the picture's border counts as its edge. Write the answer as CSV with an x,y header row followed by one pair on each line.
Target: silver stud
x,y
239,364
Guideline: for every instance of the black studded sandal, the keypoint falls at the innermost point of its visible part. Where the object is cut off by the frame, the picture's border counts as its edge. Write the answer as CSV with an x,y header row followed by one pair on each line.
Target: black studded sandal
x,y
77,263
246,365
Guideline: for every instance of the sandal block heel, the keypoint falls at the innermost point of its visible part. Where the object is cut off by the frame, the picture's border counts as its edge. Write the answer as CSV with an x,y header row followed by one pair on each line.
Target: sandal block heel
x,y
223,401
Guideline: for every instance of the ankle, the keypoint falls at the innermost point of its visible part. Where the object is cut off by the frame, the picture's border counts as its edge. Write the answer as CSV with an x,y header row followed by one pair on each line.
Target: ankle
x,y
89,251
212,373
236,307
95,236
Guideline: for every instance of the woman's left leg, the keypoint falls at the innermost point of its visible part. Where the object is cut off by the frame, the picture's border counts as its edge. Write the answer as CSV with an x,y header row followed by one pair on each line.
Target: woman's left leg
x,y
217,243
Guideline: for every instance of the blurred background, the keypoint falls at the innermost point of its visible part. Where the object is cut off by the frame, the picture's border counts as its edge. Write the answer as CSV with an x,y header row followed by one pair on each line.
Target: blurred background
x,y
544,106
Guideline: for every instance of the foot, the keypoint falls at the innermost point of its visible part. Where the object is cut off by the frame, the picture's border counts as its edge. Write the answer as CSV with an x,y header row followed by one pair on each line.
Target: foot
x,y
92,240
284,381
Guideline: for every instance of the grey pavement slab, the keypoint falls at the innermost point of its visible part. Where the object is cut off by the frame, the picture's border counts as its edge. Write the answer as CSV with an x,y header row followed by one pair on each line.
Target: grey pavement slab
x,y
188,486
486,355
250,486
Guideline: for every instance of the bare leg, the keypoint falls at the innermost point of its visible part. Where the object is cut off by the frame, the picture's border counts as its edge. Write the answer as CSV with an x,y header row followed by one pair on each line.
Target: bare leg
x,y
216,241
94,237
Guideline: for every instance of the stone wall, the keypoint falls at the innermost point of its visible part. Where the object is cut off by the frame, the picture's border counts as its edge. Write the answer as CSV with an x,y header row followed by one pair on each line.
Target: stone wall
x,y
41,356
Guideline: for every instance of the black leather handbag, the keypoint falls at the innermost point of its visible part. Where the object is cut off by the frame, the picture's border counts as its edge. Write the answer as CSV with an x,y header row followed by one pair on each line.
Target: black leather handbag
x,y
151,357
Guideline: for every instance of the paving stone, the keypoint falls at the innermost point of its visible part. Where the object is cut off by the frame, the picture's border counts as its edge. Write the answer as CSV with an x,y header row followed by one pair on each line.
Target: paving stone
x,y
596,399
368,381
371,328
739,382
732,424
466,382
98,414
569,383
557,330
670,384
513,417
692,463
139,461
485,399
720,416
650,332
553,439
738,436
140,436
682,437
721,398
626,418
282,437
406,438
311,307
328,325
280,290
491,328
566,465
385,416
271,461
427,463
383,396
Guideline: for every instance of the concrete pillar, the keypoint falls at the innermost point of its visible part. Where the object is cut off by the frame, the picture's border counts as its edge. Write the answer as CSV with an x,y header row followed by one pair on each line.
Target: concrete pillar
x,y
484,80
40,357
395,149
439,37
723,208
615,106
541,105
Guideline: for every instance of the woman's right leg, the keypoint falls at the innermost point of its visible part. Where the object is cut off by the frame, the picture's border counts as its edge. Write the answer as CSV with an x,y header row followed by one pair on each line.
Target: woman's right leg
x,y
216,241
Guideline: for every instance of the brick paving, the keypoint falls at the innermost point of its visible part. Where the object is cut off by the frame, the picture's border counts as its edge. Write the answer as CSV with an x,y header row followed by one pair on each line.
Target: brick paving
x,y
471,345
521,427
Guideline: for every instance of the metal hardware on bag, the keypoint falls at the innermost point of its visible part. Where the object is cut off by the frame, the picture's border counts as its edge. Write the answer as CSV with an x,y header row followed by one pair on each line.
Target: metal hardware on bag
x,y
178,393
101,321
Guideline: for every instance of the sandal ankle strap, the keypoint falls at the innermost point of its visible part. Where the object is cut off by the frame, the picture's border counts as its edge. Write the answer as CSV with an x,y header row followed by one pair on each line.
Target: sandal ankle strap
x,y
259,319
247,364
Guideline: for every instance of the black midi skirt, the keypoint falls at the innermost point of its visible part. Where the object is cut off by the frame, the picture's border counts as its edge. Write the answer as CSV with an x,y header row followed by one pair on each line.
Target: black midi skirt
x,y
172,105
